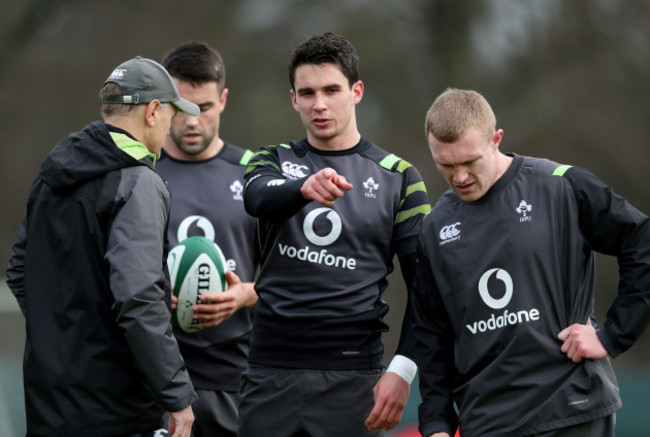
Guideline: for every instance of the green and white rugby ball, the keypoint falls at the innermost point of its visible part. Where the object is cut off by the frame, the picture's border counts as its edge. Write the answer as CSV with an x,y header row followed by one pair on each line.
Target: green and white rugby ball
x,y
196,266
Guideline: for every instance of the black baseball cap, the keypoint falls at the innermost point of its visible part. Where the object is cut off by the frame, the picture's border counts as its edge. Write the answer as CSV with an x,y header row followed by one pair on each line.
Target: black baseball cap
x,y
142,81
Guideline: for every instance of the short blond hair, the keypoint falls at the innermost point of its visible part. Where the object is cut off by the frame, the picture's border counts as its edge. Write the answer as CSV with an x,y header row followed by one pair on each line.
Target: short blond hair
x,y
455,111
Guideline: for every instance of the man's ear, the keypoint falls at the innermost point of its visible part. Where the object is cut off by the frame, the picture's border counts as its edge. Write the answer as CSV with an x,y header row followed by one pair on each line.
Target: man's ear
x,y
294,100
357,91
151,112
223,99
497,137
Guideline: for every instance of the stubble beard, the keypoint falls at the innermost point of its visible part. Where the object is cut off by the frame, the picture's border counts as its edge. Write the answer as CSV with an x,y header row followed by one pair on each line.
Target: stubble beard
x,y
194,148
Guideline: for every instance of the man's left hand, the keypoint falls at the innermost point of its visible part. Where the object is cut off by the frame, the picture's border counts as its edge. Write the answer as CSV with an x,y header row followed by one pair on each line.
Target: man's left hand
x,y
217,307
581,342
391,393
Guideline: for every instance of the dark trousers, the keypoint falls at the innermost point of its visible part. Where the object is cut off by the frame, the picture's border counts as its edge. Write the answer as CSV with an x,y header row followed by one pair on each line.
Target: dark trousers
x,y
215,414
306,403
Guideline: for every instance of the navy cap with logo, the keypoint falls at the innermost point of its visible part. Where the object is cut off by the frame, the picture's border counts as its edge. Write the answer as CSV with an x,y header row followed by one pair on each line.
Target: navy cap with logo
x,y
142,81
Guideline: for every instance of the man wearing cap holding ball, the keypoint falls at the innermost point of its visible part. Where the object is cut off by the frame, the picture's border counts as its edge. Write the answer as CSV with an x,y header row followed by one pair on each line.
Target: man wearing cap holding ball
x,y
88,272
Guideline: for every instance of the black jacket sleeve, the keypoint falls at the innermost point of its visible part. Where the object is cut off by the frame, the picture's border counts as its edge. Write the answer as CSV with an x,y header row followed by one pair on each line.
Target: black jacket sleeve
x,y
406,345
273,198
613,226
434,337
16,269
139,286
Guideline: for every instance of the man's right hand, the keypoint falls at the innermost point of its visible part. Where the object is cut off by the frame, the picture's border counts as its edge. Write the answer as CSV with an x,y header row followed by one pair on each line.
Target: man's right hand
x,y
325,186
180,422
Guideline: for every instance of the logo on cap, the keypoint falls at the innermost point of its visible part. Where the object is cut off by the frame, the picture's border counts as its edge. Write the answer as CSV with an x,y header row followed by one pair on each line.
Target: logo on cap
x,y
118,73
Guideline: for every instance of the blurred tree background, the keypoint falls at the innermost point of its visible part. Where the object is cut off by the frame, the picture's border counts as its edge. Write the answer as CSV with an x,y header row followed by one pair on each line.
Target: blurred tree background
x,y
567,80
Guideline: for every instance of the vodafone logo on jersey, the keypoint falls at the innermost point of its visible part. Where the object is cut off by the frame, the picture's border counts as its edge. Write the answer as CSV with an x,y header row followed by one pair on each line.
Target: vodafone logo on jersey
x,y
496,288
325,240
197,221
483,290
314,255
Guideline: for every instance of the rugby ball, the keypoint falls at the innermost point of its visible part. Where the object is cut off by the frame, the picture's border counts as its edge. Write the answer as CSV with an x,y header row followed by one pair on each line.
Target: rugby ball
x,y
196,266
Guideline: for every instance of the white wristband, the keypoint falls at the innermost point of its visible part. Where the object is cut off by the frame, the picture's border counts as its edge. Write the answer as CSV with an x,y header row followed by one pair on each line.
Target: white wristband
x,y
403,367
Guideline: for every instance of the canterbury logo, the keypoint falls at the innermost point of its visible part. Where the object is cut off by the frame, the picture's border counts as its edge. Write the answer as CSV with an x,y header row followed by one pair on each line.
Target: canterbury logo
x,y
449,233
294,171
118,73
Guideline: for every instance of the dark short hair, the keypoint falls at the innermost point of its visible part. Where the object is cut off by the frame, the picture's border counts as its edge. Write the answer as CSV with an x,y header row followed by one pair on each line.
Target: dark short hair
x,y
197,63
112,89
327,48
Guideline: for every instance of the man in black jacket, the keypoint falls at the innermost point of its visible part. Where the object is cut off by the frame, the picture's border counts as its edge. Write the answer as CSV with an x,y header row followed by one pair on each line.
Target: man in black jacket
x,y
89,275
505,324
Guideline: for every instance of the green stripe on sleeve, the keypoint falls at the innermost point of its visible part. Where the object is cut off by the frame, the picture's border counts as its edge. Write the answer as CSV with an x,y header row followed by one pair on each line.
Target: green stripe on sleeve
x,y
416,187
561,170
261,152
403,166
256,164
405,215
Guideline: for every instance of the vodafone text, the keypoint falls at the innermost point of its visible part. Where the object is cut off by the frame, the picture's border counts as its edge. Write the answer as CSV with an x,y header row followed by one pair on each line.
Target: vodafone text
x,y
317,256
497,322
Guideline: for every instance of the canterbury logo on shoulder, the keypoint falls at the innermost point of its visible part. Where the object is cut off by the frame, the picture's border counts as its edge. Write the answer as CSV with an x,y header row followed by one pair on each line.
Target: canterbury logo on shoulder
x,y
449,233
294,171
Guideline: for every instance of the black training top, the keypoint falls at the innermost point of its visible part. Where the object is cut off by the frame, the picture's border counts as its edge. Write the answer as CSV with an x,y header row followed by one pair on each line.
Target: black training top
x,y
500,277
207,200
323,269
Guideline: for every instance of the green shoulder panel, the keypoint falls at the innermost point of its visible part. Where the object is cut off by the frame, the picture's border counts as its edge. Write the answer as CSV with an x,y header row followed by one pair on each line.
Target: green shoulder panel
x,y
246,157
389,161
559,171
393,162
